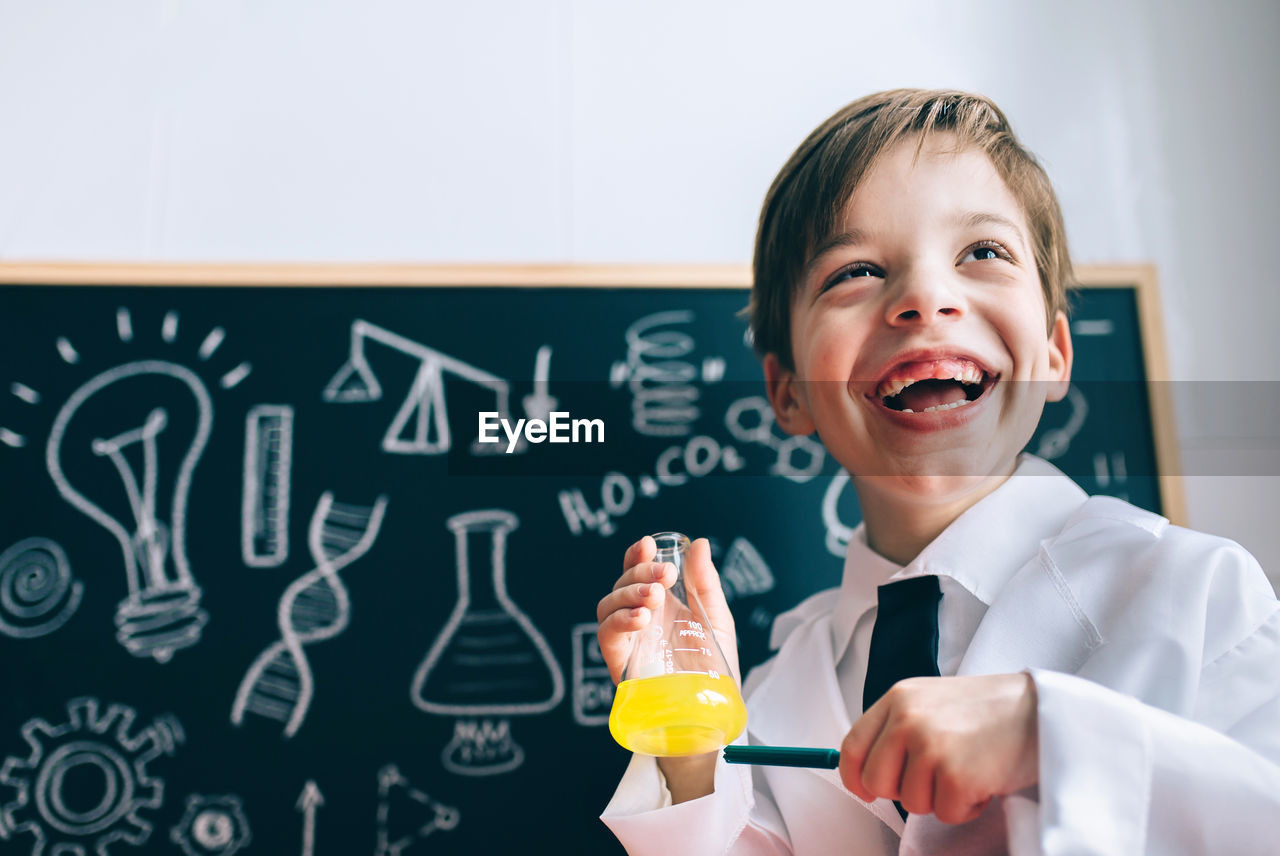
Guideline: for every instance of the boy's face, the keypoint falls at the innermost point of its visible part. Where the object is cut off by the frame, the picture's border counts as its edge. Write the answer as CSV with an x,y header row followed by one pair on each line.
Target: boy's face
x,y
918,331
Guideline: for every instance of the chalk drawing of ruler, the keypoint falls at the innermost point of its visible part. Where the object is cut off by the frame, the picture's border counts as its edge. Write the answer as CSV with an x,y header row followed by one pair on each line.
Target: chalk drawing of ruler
x,y
314,607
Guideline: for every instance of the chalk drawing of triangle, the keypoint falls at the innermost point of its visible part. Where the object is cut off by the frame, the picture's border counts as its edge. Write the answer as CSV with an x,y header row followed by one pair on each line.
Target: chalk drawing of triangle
x,y
354,383
421,425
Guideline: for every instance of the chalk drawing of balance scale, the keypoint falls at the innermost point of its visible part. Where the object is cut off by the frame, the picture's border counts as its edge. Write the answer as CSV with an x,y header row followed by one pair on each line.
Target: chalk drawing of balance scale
x,y
489,662
421,425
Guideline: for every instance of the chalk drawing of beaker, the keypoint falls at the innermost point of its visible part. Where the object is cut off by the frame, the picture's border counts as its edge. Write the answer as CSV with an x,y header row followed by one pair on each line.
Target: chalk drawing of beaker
x,y
489,662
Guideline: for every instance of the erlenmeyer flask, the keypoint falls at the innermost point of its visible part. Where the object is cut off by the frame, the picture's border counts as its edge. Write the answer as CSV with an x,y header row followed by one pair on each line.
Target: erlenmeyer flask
x,y
677,695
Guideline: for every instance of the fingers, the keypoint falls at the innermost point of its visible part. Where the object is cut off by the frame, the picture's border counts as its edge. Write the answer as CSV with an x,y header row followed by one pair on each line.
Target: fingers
x,y
916,793
638,566
615,633
857,746
900,766
636,594
954,798
883,769
663,573
702,583
629,607
701,579
641,551
885,754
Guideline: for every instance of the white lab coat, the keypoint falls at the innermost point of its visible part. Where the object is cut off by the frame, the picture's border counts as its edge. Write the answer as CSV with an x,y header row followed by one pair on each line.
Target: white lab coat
x,y
1155,652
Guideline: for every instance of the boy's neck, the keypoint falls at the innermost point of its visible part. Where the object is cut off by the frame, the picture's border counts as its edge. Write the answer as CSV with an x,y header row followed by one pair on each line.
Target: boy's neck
x,y
899,523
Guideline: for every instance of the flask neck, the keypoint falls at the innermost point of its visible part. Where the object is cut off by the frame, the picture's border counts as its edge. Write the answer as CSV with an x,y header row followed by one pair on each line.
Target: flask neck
x,y
482,567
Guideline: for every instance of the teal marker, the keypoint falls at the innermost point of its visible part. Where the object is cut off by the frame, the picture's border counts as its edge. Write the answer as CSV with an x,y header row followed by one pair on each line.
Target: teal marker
x,y
782,756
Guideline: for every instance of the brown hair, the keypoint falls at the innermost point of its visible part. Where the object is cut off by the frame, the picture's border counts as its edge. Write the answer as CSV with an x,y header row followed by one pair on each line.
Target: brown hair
x,y
804,203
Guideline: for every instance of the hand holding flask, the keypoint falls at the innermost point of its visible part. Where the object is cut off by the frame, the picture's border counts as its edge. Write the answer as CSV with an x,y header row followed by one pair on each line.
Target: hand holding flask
x,y
677,695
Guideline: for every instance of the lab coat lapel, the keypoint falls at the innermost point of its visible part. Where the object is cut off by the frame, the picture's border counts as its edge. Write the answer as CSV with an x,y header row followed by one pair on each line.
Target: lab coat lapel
x,y
804,673
1035,622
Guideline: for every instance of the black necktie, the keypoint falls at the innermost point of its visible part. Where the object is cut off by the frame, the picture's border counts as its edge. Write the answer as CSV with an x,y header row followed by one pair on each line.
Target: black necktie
x,y
904,640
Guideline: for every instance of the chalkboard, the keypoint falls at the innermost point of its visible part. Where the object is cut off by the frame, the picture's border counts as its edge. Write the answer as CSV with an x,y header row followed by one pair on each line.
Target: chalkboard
x,y
262,589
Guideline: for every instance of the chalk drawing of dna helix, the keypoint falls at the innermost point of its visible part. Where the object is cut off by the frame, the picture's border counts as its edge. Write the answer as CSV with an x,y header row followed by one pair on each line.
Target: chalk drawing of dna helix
x,y
314,607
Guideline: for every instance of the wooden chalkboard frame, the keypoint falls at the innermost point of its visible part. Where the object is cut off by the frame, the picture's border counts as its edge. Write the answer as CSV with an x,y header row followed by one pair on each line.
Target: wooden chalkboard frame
x,y
1143,281
1140,278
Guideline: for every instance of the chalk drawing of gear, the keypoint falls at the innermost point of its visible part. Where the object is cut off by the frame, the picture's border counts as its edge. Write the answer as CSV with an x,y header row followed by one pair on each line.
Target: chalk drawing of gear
x,y
212,826
85,781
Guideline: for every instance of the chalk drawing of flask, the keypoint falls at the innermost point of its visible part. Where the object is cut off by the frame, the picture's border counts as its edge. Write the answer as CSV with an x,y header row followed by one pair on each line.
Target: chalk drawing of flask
x,y
489,662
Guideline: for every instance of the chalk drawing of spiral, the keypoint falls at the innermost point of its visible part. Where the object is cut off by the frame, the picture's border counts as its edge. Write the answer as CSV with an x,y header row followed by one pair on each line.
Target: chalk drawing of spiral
x,y
37,594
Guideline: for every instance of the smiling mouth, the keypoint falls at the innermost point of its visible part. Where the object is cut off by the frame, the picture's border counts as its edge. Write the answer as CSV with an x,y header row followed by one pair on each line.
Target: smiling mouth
x,y
934,386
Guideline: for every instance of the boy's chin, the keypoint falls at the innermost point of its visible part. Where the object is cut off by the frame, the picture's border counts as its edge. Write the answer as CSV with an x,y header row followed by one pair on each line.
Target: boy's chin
x,y
945,480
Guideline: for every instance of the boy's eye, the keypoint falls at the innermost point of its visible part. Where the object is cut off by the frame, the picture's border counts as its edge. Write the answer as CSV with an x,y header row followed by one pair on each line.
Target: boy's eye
x,y
987,251
858,269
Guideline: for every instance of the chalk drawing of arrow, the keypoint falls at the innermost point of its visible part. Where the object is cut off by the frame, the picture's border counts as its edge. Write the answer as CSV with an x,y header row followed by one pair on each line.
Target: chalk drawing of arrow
x,y
308,801
540,404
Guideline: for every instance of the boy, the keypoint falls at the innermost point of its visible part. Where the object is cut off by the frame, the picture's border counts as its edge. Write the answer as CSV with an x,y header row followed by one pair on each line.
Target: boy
x,y
1104,682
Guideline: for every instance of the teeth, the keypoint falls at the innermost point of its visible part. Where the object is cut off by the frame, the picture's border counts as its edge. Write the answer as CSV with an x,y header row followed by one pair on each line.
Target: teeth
x,y
893,387
969,375
952,406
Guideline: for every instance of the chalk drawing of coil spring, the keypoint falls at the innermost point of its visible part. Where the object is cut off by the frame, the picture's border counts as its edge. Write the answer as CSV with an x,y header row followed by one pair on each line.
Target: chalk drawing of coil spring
x,y
664,398
314,607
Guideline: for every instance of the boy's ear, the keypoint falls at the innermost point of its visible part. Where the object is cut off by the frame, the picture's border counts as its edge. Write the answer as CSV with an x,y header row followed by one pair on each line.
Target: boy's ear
x,y
1060,357
790,409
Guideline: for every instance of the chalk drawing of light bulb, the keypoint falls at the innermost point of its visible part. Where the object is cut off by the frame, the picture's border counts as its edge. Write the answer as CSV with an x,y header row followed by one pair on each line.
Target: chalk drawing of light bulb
x,y
489,662
107,450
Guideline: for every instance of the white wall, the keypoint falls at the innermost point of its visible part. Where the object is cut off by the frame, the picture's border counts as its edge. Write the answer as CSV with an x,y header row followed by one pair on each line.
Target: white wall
x,y
576,131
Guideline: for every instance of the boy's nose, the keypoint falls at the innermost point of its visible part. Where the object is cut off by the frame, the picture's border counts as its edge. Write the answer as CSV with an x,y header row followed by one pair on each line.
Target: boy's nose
x,y
922,298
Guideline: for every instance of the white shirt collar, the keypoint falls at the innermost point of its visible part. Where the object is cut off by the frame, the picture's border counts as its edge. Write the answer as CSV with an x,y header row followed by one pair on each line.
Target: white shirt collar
x,y
980,550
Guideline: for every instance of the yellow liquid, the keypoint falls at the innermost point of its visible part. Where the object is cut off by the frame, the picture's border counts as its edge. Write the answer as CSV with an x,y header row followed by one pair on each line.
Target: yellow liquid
x,y
677,714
